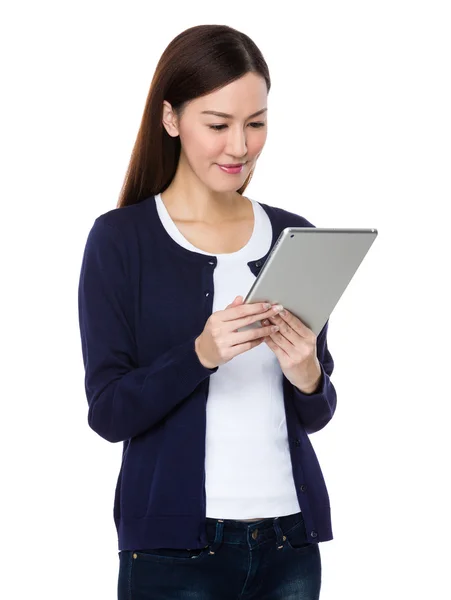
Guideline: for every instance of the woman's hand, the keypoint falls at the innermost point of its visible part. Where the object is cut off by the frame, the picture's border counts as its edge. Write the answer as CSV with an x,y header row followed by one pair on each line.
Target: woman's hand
x,y
220,342
295,348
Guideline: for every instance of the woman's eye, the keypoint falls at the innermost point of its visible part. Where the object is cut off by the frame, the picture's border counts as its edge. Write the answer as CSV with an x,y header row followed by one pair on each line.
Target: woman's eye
x,y
221,127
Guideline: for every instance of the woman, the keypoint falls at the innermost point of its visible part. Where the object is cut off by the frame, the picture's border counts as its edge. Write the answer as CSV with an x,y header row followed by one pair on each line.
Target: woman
x,y
220,494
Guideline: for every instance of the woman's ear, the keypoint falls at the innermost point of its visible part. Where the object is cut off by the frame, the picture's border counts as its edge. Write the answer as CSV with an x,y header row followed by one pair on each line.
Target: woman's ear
x,y
169,120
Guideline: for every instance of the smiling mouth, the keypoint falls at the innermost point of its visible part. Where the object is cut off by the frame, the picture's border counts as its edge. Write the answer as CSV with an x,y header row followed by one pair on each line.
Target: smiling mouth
x,y
232,170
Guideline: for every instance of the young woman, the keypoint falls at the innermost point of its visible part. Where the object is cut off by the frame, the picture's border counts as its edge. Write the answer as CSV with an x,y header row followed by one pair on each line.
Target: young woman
x,y
220,494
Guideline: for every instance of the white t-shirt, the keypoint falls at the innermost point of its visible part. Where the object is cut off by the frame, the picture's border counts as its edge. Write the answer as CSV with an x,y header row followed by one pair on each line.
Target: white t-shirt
x,y
248,472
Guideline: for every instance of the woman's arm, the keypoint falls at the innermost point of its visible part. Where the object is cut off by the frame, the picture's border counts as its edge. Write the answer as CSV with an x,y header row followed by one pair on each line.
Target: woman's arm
x,y
317,409
124,400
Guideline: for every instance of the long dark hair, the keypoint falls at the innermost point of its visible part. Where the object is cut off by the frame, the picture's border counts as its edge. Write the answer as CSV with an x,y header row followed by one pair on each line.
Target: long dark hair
x,y
198,61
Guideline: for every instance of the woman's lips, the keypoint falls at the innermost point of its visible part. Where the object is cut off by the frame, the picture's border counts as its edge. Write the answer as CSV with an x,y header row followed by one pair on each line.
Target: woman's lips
x,y
231,170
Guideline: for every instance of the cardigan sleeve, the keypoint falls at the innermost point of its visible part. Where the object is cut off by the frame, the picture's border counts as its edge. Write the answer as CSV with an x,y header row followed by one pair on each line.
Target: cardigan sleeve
x,y
124,399
317,409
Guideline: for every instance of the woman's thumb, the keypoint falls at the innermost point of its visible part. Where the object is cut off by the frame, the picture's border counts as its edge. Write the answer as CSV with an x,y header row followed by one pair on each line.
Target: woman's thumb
x,y
238,300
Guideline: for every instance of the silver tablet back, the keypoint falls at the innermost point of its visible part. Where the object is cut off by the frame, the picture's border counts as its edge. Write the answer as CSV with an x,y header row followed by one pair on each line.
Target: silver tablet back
x,y
309,269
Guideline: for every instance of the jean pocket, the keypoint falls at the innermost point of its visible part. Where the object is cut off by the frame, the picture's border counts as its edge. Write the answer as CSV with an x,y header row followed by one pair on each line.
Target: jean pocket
x,y
296,537
170,554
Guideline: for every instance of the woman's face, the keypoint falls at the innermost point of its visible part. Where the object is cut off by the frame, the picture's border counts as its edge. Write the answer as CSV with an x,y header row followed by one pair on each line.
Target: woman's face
x,y
209,140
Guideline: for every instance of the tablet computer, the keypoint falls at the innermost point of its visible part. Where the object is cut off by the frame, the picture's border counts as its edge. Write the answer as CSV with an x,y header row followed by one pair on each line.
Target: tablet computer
x,y
308,270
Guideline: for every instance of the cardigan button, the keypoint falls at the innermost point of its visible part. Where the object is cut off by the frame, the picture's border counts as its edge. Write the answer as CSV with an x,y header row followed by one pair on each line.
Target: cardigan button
x,y
258,263
207,293
303,487
314,534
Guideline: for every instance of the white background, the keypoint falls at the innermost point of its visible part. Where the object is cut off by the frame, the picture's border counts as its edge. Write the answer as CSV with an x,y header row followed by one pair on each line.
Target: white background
x,y
359,136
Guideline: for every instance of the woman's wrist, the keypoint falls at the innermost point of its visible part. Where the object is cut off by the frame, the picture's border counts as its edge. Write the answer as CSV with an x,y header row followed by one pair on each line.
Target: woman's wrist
x,y
202,360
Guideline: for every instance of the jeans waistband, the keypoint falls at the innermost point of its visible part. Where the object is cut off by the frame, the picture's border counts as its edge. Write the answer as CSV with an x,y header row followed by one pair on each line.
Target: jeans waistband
x,y
234,532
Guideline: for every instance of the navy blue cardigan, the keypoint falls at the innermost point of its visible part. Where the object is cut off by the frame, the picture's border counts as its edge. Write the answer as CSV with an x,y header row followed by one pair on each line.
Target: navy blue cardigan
x,y
143,299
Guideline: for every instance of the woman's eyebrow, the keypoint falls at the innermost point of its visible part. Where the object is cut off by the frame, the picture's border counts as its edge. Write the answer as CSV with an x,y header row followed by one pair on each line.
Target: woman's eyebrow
x,y
227,116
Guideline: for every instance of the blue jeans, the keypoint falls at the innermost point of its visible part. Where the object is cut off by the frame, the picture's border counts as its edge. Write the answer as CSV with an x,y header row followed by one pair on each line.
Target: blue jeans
x,y
269,559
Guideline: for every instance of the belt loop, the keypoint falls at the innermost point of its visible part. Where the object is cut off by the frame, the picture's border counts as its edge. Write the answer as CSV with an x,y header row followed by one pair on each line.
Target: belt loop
x,y
218,536
279,533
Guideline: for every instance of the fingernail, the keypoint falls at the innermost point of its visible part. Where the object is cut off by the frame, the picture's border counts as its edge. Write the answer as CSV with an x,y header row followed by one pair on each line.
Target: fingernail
x,y
275,328
277,308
